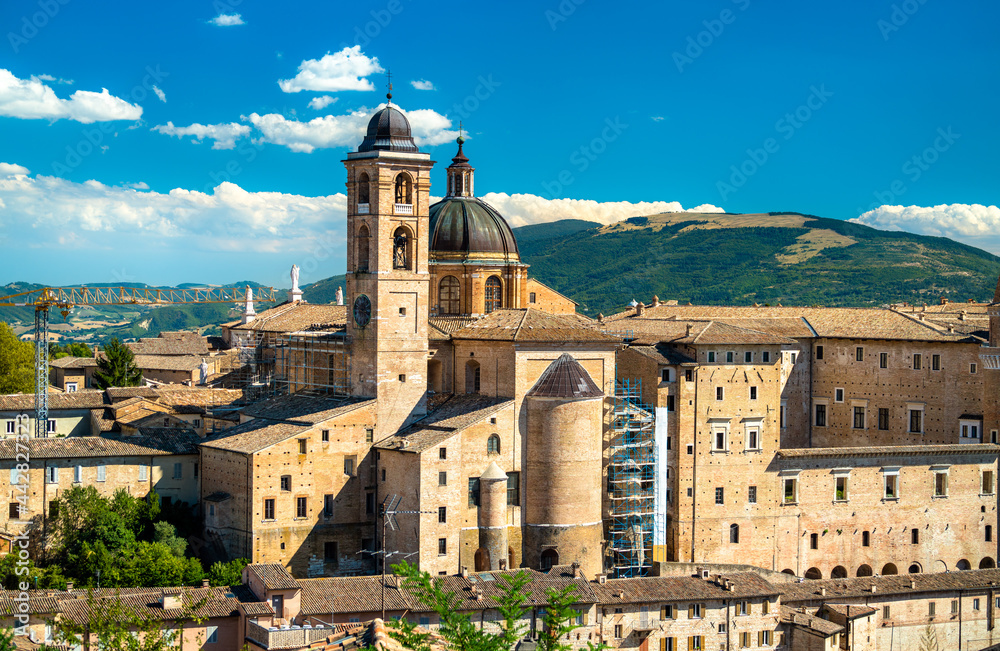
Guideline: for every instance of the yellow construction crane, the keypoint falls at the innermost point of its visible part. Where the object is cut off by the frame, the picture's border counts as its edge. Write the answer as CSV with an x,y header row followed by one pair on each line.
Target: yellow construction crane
x,y
65,299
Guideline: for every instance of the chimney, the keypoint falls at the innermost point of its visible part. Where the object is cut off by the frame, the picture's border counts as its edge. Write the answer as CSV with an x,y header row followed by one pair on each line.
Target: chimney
x,y
600,317
576,570
621,594
944,301
656,301
874,588
961,317
602,578
640,308
69,586
171,600
688,330
913,584
822,592
204,583
465,571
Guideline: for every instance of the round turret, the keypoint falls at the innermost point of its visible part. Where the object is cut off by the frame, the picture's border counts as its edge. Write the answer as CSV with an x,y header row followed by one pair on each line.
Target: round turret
x,y
492,519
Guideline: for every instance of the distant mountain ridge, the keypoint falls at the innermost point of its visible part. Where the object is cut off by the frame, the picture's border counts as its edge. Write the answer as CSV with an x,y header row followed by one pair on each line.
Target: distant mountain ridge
x,y
708,258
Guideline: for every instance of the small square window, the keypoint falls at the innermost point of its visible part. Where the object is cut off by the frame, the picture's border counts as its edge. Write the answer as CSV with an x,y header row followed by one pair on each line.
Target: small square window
x,y
747,357
326,436
918,361
302,446
711,356
402,311
752,494
442,478
402,377
442,453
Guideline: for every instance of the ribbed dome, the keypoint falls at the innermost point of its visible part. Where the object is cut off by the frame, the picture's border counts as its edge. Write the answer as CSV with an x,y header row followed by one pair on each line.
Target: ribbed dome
x,y
565,378
388,130
465,228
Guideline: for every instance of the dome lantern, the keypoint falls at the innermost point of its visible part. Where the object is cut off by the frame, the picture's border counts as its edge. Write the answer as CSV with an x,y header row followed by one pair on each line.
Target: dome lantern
x,y
460,173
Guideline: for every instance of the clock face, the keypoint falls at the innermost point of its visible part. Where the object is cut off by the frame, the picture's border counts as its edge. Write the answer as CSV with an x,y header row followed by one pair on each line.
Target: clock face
x,y
362,310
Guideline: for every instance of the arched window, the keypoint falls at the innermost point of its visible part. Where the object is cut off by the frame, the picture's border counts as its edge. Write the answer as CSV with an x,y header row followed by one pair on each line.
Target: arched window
x,y
404,189
814,574
788,571
450,295
734,533
493,444
839,572
482,559
472,376
363,188
963,565
865,570
888,569
550,558
458,184
493,292
987,564
914,569
401,249
363,240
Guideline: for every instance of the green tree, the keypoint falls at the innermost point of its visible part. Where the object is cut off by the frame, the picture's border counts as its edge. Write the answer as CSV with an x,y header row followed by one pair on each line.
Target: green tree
x,y
231,573
17,363
7,640
511,605
405,632
116,368
560,619
166,533
36,577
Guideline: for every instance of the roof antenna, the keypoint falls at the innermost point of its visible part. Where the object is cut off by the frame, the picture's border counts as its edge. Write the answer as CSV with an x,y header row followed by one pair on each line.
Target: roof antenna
x,y
388,80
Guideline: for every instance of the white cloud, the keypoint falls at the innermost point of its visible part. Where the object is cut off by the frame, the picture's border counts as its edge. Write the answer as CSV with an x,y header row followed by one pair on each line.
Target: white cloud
x,y
51,78
525,209
31,99
160,94
344,70
320,103
141,185
658,118
223,135
10,169
972,224
231,216
227,20
429,128
423,84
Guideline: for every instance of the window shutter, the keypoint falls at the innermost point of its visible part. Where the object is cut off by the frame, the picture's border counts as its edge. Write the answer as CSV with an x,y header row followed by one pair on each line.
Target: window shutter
x,y
673,612
749,608
663,644
760,638
586,618
766,607
691,613
663,612
690,644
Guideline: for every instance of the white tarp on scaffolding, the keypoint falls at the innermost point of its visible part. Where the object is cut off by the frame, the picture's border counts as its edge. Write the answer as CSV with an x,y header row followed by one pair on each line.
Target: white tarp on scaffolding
x,y
660,482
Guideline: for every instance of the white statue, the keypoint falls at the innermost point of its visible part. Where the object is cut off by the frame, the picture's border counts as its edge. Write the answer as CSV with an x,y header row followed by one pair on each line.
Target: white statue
x,y
295,278
248,312
203,371
340,296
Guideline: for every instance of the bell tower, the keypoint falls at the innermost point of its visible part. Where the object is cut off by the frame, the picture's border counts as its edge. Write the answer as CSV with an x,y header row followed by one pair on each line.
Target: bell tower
x,y
388,185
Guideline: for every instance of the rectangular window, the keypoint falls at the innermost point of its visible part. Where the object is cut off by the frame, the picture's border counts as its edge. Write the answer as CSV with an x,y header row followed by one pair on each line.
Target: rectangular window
x,y
752,494
402,377
302,446
791,490
838,395
330,552
325,436
328,505
689,375
742,608
442,478
753,393
473,491
819,352
667,612
442,546
745,638
814,541
531,297
442,453
514,488
935,362
286,482
883,360
972,368
300,507
765,607
820,415
859,417
841,491
730,357
859,354
886,613
764,638
50,427
211,634
54,508
975,604
369,503
52,475
77,475
349,466
915,536
369,435
918,361
694,611
618,630
665,375
883,418
667,644
891,487
143,473
269,509
747,357
940,484
14,511
916,421
753,438
711,356
988,487
10,427
719,392
954,606
670,403
178,471
720,495
989,533
765,357
781,415
866,539
720,440
102,472
694,643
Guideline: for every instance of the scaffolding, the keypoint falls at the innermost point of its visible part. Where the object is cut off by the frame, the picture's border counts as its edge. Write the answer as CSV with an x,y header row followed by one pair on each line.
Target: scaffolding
x,y
631,481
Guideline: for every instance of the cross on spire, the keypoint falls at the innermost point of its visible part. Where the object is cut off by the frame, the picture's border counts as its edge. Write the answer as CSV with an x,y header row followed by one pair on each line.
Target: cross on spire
x,y
388,81
460,134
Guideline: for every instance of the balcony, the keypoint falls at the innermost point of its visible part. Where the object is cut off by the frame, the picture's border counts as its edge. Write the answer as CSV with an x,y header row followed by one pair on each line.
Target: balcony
x,y
403,208
362,208
288,638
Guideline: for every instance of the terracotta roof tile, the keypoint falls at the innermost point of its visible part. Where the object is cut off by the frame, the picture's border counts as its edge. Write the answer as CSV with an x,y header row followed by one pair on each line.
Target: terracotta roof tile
x,y
295,317
565,378
302,408
663,354
273,576
253,436
791,616
87,399
682,588
454,414
531,325
351,595
149,442
890,451
810,591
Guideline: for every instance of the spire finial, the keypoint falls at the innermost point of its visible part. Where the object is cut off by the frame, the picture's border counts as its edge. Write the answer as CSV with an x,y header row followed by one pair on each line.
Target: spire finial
x,y
388,81
461,138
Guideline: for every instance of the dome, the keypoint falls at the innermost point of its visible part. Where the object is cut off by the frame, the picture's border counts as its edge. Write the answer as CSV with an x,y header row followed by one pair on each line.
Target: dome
x,y
464,228
565,378
388,130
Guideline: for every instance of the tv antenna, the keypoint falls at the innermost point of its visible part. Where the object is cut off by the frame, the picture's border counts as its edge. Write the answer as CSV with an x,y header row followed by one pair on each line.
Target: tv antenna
x,y
390,509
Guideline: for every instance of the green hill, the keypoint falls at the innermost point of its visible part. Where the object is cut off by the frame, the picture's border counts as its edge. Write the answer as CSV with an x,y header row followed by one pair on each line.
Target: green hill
x,y
731,259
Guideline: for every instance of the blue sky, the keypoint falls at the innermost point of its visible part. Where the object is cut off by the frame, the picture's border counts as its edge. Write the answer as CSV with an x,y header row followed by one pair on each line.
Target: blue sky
x,y
214,155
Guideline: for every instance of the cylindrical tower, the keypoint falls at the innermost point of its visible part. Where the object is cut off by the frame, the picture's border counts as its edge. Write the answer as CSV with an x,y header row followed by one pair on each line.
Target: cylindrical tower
x,y
492,519
563,469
